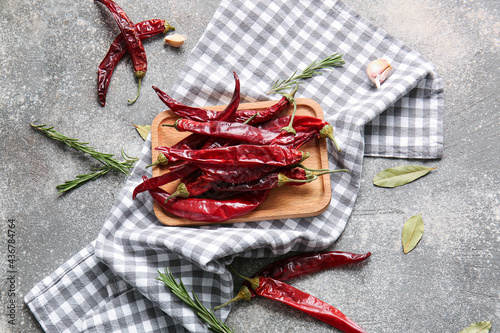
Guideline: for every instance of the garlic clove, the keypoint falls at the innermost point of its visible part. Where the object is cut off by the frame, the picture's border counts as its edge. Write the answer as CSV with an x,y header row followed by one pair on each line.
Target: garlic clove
x,y
378,71
175,40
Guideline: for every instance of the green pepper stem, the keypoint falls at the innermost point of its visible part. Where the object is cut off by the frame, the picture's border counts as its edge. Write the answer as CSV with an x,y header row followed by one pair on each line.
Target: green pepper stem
x,y
290,97
315,173
251,118
168,27
161,160
180,191
282,180
138,92
243,294
327,132
290,128
254,282
309,169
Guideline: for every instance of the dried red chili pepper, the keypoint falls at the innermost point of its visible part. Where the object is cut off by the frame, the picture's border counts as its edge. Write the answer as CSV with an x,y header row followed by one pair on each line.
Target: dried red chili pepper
x,y
132,40
284,293
299,265
233,104
118,49
302,124
209,210
244,154
194,184
240,116
232,131
269,181
155,182
236,173
308,263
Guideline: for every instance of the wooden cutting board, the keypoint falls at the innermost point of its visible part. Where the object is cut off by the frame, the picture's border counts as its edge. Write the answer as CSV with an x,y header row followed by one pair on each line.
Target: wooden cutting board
x,y
283,202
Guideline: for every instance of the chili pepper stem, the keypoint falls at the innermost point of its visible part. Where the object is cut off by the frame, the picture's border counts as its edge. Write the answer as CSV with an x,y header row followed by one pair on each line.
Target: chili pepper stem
x,y
282,180
243,294
161,160
327,132
139,79
254,282
313,170
290,128
329,171
251,118
180,191
168,27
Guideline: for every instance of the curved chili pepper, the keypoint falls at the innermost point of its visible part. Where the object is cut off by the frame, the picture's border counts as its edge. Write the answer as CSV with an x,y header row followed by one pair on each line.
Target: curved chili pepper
x,y
194,184
232,131
210,210
155,182
236,173
233,104
284,293
132,40
269,181
118,49
240,116
239,155
299,265
302,124
308,263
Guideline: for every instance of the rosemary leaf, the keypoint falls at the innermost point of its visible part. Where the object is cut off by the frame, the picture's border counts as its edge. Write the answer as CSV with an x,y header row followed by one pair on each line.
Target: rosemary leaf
x,y
81,179
194,303
313,69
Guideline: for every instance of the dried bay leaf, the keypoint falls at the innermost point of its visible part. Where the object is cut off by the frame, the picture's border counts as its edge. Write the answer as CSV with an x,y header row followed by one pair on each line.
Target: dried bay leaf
x,y
479,327
143,130
413,230
400,175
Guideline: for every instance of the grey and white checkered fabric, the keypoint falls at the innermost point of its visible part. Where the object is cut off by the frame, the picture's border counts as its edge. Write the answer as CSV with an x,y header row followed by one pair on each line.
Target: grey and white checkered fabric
x,y
111,286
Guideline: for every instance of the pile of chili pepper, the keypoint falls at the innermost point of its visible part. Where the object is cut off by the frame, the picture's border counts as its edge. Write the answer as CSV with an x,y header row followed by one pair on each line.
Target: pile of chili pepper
x,y
233,158
268,282
129,40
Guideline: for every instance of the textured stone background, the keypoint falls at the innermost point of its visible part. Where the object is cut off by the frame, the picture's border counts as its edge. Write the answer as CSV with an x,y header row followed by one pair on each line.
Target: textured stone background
x,y
49,53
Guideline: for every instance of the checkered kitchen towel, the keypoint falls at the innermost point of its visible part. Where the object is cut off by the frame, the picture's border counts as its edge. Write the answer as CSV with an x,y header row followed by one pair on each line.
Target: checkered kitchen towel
x,y
110,285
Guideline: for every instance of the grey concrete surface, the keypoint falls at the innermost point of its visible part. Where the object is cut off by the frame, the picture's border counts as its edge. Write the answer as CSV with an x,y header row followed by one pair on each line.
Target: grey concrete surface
x,y
49,52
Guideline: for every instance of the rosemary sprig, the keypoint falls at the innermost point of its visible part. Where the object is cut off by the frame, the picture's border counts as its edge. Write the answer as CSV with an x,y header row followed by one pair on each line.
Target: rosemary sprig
x,y
81,179
108,161
215,325
313,69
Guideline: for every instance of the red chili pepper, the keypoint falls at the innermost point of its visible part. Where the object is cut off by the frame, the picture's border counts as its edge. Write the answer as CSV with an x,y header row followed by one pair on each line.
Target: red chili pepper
x,y
308,263
132,40
240,116
155,182
244,154
118,49
194,184
232,131
269,181
236,173
233,104
209,210
299,265
284,293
